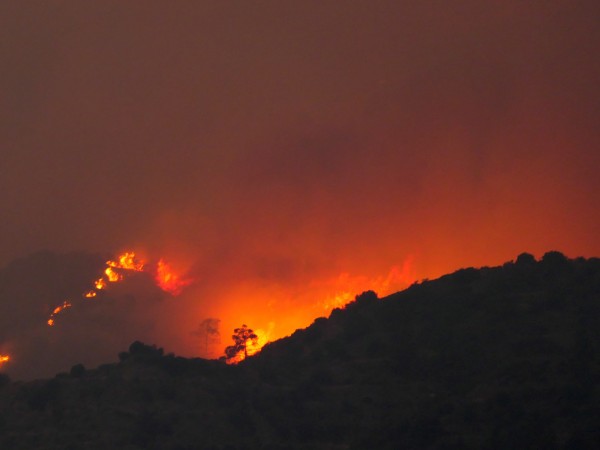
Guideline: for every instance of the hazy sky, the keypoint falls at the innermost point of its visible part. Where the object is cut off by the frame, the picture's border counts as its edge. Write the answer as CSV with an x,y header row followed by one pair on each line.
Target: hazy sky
x,y
276,145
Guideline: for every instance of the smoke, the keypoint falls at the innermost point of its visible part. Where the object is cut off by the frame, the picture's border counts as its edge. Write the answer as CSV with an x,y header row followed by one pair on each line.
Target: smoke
x,y
91,331
264,149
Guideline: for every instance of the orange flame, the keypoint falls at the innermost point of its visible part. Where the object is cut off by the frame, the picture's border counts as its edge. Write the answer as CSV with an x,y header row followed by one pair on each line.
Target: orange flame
x,y
346,286
127,261
100,284
253,346
112,276
3,359
168,280
58,310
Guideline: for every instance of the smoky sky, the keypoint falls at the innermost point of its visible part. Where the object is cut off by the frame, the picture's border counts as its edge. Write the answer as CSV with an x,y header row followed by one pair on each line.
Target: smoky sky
x,y
278,143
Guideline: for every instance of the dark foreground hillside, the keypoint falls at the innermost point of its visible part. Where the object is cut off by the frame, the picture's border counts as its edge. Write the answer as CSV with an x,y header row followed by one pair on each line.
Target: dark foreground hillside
x,y
493,358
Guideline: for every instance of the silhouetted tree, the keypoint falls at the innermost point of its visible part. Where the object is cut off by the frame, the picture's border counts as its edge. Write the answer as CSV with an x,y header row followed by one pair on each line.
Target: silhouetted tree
x,y
366,298
555,258
142,351
208,332
525,259
78,370
241,337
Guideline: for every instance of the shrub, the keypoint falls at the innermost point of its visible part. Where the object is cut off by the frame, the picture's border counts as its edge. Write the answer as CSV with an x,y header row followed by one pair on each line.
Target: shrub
x,y
78,371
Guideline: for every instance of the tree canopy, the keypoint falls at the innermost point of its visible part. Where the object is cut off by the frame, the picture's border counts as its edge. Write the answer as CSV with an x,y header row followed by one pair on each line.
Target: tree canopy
x,y
240,338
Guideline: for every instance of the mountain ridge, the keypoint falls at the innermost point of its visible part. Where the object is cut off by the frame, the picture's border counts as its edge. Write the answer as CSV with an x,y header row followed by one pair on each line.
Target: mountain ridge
x,y
494,357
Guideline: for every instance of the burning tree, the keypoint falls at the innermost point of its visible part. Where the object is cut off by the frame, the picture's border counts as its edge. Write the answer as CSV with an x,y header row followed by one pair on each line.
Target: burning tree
x,y
241,337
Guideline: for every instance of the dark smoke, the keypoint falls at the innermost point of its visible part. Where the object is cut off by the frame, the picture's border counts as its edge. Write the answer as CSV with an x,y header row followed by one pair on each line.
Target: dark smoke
x,y
91,332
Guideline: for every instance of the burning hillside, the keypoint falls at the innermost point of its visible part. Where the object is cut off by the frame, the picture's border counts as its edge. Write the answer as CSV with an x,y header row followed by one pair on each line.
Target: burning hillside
x,y
121,267
497,357
82,308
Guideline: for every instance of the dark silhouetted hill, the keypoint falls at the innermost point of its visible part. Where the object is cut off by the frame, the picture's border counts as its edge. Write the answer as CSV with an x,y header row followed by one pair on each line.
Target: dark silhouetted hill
x,y
33,286
492,358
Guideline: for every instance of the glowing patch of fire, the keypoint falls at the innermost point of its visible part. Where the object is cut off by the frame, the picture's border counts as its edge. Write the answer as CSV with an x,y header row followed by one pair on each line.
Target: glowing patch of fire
x,y
168,280
253,346
127,261
115,271
100,284
58,310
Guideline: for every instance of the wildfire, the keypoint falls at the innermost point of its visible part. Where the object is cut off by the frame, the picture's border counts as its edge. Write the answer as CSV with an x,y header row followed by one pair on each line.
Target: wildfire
x,y
253,346
329,293
256,345
58,310
100,284
112,276
3,359
117,269
168,280
346,286
127,261
317,297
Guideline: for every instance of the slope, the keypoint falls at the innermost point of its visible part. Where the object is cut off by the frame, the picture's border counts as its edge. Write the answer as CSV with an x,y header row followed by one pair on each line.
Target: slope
x,y
502,357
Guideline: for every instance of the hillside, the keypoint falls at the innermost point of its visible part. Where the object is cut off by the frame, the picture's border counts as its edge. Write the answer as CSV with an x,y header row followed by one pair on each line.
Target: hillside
x,y
493,358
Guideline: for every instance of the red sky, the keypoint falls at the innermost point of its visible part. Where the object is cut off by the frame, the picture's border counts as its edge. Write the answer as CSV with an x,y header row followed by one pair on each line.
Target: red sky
x,y
270,147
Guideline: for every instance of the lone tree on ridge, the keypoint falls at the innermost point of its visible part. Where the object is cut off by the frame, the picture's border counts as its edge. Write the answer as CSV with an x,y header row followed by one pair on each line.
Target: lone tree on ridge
x,y
240,338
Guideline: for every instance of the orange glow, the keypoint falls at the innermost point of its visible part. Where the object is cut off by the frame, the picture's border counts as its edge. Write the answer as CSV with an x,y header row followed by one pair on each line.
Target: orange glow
x,y
484,146
254,346
100,284
345,287
127,261
168,280
274,312
112,276
116,270
58,310
3,359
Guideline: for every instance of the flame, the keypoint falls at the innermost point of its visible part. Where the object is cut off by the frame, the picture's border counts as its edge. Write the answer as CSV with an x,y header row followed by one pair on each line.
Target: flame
x,y
112,276
100,284
116,270
58,310
127,261
337,300
236,359
4,359
344,287
253,346
168,280
291,307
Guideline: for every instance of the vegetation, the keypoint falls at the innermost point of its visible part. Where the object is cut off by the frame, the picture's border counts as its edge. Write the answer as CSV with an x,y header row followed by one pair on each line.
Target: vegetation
x,y
240,337
208,333
493,358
